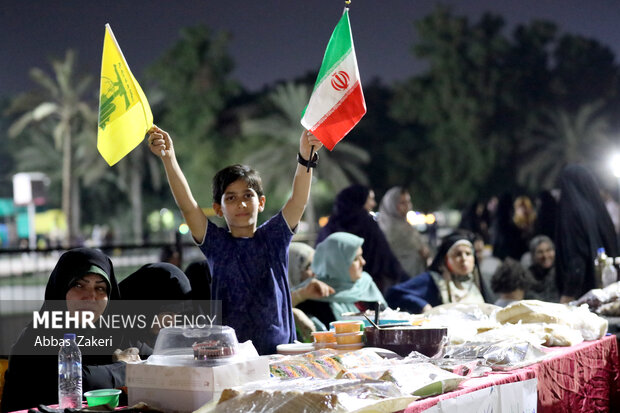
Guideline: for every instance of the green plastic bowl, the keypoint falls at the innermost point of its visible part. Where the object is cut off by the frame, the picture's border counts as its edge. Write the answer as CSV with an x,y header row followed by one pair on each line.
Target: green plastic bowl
x,y
103,396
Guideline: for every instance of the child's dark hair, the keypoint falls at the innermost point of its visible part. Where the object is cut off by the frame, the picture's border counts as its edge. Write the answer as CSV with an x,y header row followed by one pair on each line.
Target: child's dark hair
x,y
230,174
510,276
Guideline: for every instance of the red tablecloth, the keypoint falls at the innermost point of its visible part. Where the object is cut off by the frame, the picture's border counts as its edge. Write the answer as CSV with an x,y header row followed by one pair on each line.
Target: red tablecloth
x,y
581,378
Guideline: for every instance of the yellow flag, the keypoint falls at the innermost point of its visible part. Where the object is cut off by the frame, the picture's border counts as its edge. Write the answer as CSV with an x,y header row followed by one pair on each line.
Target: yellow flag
x,y
124,113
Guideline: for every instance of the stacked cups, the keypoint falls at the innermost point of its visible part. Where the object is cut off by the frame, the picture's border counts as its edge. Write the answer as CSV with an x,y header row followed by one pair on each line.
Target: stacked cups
x,y
348,334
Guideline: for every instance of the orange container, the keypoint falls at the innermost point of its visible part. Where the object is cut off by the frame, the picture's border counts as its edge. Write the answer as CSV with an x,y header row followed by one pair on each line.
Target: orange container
x,y
349,338
323,336
343,327
349,347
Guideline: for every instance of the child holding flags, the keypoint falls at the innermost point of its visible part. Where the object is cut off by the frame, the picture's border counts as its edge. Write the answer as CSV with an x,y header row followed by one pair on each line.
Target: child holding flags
x,y
248,264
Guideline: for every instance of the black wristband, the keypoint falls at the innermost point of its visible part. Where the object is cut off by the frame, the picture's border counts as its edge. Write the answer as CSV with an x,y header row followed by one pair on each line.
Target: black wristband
x,y
308,164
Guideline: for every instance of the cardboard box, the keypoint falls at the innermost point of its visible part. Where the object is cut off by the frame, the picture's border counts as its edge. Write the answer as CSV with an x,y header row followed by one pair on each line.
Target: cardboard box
x,y
183,389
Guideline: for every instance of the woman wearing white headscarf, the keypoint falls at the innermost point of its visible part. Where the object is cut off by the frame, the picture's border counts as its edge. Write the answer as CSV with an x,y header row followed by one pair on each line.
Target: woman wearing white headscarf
x,y
405,241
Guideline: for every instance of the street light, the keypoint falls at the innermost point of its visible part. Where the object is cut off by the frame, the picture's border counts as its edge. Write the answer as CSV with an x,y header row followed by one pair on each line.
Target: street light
x,y
614,164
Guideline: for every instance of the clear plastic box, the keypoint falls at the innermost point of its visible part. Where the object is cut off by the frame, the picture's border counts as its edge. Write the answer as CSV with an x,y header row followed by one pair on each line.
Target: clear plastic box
x,y
212,345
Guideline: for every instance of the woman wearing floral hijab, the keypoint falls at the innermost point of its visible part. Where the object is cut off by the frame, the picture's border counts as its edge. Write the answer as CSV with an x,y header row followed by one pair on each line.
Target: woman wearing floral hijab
x,y
451,278
406,242
339,263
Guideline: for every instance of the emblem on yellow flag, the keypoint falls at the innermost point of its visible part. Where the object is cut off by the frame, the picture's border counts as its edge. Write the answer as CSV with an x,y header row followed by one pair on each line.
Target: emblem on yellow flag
x,y
124,112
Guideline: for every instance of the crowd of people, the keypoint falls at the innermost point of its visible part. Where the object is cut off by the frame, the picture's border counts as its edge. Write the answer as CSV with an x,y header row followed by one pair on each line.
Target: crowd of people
x,y
274,291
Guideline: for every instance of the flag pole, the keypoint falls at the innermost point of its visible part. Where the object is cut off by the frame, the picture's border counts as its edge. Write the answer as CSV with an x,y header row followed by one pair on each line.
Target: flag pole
x,y
347,3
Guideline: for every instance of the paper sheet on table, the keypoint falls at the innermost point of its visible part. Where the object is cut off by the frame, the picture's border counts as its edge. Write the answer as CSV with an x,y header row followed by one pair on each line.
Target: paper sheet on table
x,y
519,397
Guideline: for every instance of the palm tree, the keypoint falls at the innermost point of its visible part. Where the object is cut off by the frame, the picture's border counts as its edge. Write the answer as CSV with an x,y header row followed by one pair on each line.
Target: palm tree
x,y
59,100
131,174
558,138
279,133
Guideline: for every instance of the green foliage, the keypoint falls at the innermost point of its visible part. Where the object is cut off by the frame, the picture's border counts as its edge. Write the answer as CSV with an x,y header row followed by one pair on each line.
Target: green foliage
x,y
271,138
560,137
193,81
495,111
478,114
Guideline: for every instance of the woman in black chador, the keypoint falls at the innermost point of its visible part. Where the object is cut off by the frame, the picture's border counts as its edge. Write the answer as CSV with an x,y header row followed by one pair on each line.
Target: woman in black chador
x,y
583,226
83,280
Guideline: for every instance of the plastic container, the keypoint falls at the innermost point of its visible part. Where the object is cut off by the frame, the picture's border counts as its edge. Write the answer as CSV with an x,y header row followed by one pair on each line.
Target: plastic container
x,y
195,346
320,346
70,374
103,396
292,349
349,347
351,326
323,336
610,274
349,338
600,261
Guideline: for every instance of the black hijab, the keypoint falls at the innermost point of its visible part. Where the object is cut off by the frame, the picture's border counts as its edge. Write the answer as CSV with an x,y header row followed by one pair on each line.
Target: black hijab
x,y
164,288
583,226
439,262
30,362
349,215
547,209
156,281
199,276
506,237
74,264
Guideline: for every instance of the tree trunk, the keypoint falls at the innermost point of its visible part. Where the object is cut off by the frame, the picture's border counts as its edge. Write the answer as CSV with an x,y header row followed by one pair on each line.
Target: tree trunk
x,y
76,213
135,197
67,207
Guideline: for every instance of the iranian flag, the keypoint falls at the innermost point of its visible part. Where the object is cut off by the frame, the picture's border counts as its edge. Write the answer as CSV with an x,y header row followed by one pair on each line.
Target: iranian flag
x,y
337,101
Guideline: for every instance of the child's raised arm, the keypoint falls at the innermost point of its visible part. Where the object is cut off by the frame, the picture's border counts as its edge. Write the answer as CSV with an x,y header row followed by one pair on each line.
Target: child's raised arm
x,y
161,145
294,207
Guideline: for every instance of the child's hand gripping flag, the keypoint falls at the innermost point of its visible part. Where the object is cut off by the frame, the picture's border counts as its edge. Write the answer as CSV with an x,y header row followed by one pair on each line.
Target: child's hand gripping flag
x,y
337,101
124,113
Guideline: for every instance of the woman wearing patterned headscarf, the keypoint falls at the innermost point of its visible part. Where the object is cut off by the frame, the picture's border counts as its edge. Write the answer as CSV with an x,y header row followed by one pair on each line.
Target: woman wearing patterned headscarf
x,y
451,278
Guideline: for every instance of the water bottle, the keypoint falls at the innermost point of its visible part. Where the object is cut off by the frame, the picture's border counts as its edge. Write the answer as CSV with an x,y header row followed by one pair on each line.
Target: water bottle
x,y
599,264
70,374
610,275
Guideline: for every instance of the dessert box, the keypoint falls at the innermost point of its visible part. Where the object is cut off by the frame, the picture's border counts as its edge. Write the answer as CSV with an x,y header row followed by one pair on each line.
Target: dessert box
x,y
191,366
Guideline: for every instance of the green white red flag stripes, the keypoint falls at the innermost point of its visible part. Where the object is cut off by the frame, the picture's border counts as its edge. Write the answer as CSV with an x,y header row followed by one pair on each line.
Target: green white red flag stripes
x,y
337,101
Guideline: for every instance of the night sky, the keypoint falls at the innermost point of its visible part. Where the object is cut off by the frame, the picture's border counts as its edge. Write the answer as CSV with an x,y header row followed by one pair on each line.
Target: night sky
x,y
272,40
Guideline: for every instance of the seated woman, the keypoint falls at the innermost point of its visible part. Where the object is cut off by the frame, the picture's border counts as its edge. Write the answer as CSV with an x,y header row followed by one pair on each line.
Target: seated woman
x,y
301,280
544,285
303,287
338,262
451,278
351,213
164,290
509,282
82,281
